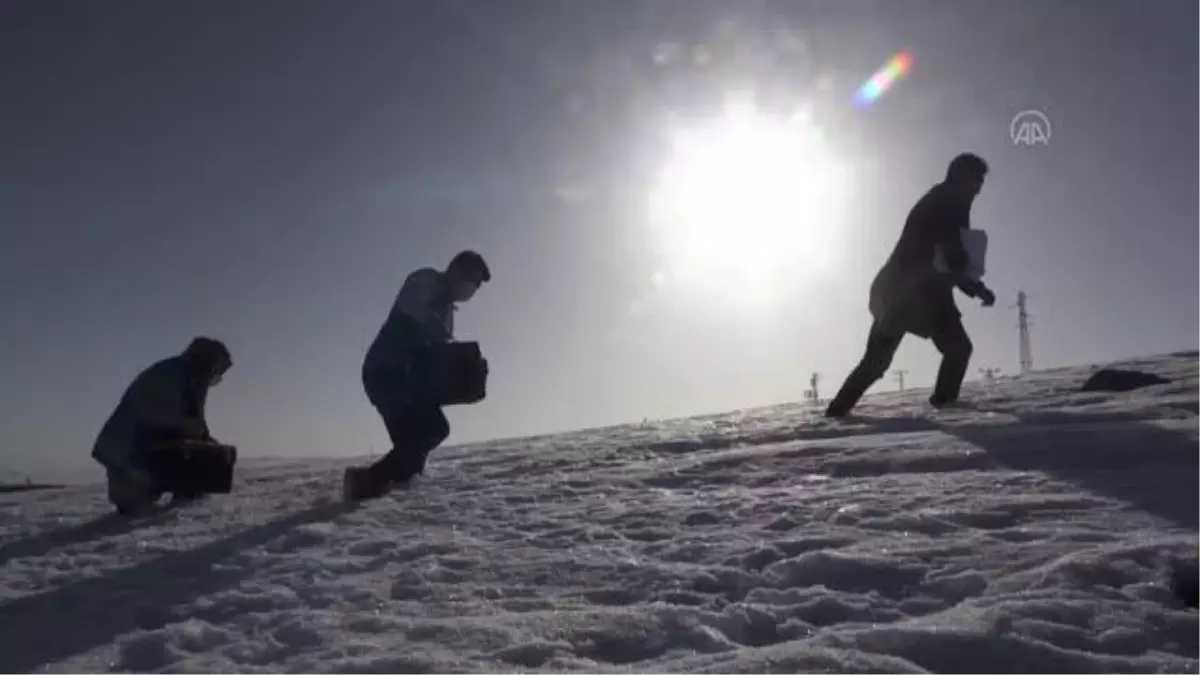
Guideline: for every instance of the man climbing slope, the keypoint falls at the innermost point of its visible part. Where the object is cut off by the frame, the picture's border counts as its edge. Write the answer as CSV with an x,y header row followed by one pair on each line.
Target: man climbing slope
x,y
403,374
910,295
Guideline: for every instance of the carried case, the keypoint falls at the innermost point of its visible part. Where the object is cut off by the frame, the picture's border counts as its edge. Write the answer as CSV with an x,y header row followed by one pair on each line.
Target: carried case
x,y
459,372
976,243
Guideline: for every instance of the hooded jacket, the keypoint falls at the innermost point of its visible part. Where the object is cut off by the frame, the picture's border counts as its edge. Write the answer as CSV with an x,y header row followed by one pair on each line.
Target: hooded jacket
x,y
163,401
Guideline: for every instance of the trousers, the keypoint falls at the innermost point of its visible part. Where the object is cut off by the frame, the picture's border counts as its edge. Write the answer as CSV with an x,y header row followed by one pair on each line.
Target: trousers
x,y
414,421
950,338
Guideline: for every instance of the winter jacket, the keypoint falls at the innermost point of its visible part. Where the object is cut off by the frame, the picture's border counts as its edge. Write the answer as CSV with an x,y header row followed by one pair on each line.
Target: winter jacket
x,y
421,316
909,294
162,402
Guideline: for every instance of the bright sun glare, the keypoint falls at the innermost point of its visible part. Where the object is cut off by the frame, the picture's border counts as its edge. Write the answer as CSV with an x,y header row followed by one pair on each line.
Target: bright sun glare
x,y
744,198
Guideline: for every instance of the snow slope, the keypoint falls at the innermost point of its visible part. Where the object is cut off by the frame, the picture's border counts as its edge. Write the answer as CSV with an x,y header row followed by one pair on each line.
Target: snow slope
x,y
1035,534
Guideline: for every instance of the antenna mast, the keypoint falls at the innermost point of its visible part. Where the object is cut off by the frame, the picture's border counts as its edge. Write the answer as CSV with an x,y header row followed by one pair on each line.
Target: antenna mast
x,y
1026,350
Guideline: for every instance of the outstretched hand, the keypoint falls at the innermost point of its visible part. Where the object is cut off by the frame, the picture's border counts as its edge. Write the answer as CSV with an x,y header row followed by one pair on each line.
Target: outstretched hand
x,y
987,297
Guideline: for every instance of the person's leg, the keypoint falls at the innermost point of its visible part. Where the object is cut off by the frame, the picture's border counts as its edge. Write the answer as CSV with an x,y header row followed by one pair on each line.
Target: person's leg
x,y
386,392
132,486
436,430
415,432
952,341
415,425
881,348
396,423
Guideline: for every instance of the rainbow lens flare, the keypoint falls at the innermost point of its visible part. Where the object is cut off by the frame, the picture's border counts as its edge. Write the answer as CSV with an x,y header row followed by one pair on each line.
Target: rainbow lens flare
x,y
883,79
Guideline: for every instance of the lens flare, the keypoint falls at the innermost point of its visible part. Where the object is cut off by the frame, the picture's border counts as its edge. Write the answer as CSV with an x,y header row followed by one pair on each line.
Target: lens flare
x,y
897,67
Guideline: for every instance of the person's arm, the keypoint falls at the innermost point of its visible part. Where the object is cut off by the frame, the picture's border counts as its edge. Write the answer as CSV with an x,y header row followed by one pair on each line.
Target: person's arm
x,y
422,299
975,289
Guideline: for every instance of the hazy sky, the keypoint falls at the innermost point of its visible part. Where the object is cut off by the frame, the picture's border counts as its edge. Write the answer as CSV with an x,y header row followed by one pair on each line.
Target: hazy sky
x,y
268,173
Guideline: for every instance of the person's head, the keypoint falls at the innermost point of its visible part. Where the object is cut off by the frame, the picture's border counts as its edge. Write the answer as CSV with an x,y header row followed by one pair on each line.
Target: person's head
x,y
466,273
966,173
208,360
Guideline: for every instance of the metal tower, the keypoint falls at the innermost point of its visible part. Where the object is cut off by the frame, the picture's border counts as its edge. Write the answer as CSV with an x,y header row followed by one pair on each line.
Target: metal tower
x,y
1023,324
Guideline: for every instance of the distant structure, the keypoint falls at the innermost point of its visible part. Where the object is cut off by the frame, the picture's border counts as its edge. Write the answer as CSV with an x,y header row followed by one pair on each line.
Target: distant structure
x,y
989,374
900,378
1026,349
812,393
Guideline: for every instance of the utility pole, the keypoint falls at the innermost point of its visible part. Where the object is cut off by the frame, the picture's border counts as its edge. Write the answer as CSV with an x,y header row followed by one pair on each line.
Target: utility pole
x,y
1026,350
813,394
900,378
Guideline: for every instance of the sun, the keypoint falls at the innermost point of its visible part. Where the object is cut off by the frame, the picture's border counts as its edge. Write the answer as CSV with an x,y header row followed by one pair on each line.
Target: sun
x,y
742,200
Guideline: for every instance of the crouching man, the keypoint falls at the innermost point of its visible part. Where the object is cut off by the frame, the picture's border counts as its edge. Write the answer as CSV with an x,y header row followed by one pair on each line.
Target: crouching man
x,y
414,367
157,440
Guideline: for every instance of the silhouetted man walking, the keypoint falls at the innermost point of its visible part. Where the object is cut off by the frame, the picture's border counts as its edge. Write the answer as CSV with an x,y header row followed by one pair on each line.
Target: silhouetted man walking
x,y
910,295
405,375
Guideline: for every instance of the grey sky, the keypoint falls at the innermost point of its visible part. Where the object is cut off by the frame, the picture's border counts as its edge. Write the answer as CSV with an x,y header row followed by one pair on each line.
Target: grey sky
x,y
267,173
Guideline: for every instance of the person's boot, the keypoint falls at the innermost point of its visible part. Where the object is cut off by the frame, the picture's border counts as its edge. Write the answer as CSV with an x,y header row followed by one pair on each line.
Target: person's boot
x,y
951,372
940,400
359,482
837,411
942,403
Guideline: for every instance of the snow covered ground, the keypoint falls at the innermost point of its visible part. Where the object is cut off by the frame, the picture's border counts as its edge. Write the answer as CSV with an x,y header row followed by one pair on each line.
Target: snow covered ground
x,y
1035,534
